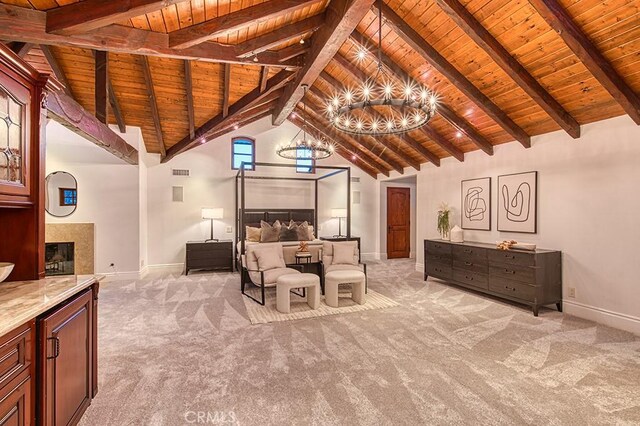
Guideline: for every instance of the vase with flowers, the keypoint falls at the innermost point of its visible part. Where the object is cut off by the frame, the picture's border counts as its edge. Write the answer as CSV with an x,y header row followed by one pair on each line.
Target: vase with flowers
x,y
443,220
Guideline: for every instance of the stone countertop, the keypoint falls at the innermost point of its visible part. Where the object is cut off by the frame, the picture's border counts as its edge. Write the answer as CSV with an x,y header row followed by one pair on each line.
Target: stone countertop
x,y
21,301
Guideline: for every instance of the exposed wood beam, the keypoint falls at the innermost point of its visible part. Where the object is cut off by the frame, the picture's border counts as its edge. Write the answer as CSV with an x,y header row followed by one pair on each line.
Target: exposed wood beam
x,y
115,108
20,48
580,44
57,69
341,18
483,38
314,122
442,142
101,85
389,142
153,104
401,75
279,36
28,25
89,15
422,47
264,75
63,109
292,51
246,102
188,83
224,24
227,87
253,115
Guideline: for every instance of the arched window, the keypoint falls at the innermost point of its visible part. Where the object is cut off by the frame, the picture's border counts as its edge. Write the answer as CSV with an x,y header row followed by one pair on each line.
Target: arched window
x,y
243,150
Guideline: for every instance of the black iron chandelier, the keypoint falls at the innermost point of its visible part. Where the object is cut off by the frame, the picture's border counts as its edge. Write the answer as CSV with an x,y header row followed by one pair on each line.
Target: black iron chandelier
x,y
379,106
304,147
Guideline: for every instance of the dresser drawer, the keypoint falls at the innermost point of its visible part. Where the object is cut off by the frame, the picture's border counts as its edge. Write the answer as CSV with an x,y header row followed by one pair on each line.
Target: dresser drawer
x,y
434,247
15,353
471,254
512,257
438,270
524,274
440,258
471,278
470,266
208,255
510,288
208,247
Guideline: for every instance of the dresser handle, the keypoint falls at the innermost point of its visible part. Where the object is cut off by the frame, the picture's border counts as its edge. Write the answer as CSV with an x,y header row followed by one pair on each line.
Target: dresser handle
x,y
509,256
468,263
508,271
470,279
509,288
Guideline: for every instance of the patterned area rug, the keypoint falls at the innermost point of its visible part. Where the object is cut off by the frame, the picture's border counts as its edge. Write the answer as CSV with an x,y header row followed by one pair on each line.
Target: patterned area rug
x,y
176,349
259,314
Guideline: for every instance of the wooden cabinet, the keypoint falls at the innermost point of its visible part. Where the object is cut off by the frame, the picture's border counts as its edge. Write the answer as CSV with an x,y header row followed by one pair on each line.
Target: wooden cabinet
x,y
209,255
65,364
17,376
533,278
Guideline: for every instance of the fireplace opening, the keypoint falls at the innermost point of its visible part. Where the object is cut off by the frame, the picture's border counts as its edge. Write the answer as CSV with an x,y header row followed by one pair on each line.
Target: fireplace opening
x,y
58,259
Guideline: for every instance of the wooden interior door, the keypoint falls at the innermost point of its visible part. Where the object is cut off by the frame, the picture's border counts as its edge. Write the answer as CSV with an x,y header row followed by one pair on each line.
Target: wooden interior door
x,y
398,222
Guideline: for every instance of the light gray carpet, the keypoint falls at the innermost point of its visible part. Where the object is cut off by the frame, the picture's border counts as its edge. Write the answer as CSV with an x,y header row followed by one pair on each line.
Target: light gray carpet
x,y
174,348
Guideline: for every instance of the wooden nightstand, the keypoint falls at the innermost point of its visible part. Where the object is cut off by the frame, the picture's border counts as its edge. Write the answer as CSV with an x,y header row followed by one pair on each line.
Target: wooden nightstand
x,y
209,255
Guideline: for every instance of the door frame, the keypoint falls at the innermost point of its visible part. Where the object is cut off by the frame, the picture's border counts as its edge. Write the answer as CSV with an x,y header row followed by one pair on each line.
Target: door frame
x,y
409,221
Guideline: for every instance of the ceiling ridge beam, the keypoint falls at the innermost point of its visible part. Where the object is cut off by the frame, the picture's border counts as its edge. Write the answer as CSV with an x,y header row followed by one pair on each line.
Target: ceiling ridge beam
x,y
483,38
88,15
401,75
278,36
580,44
341,18
243,104
444,67
153,104
28,25
216,27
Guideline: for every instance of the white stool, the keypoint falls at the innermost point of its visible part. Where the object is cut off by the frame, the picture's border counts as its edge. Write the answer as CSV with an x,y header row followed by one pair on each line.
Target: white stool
x,y
287,282
332,281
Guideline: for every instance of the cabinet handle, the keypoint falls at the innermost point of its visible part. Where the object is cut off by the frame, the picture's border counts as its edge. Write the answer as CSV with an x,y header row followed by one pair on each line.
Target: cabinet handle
x,y
468,251
436,245
470,279
56,347
509,288
509,256
468,263
508,271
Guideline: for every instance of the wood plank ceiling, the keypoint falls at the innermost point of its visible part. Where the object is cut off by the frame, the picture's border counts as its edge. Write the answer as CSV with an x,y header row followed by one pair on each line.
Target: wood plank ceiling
x,y
504,70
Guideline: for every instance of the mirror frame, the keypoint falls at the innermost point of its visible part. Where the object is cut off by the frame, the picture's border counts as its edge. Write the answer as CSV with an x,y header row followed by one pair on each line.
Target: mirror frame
x,y
47,189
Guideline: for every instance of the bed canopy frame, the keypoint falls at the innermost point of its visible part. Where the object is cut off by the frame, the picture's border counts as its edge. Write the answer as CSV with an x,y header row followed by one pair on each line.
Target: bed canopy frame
x,y
246,216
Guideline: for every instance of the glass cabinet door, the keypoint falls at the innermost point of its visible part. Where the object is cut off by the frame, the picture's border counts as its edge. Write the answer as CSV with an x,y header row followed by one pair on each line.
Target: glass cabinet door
x,y
11,139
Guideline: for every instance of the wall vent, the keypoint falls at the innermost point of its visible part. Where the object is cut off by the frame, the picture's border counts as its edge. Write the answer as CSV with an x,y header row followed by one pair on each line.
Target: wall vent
x,y
177,194
355,180
180,172
356,197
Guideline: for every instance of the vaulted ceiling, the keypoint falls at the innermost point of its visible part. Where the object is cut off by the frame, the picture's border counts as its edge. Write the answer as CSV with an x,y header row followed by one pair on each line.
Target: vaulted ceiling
x,y
189,71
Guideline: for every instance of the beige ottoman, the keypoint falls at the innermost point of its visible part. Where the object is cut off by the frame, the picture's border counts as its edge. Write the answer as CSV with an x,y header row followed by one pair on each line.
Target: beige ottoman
x,y
287,282
332,281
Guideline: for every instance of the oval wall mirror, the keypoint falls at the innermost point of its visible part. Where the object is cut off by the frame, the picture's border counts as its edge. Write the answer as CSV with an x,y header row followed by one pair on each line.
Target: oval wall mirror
x,y
62,194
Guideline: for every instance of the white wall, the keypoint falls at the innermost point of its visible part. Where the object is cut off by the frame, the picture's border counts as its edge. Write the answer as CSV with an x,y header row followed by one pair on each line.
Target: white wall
x,y
108,195
588,205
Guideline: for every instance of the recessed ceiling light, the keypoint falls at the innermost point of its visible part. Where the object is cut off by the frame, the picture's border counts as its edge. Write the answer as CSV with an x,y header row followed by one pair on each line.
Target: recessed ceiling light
x,y
458,134
235,127
301,41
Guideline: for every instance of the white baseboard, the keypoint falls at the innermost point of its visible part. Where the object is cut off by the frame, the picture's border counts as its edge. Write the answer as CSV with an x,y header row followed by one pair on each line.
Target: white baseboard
x,y
625,322
166,268
419,266
370,256
121,276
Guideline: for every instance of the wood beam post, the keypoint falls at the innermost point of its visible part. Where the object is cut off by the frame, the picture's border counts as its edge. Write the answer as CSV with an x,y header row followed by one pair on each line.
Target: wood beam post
x,y
264,75
58,72
226,72
188,83
579,43
20,48
101,86
153,105
422,47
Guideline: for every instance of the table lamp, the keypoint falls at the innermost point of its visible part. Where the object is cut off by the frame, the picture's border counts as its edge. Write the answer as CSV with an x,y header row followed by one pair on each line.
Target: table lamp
x,y
339,214
211,214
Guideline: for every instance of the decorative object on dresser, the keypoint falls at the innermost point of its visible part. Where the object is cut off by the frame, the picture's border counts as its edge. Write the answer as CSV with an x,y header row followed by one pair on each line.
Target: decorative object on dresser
x,y
61,196
209,255
339,214
303,247
532,278
476,204
443,220
457,234
517,202
211,214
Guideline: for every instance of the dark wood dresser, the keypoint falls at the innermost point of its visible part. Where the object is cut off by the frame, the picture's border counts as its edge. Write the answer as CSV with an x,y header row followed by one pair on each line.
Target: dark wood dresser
x,y
209,255
533,278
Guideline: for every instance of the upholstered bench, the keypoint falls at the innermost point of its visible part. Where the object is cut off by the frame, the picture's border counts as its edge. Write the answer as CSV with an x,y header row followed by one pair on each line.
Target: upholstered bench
x,y
333,280
286,283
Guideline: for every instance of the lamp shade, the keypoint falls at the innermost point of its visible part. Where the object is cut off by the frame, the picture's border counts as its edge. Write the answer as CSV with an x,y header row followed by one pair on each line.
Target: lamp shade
x,y
338,212
212,213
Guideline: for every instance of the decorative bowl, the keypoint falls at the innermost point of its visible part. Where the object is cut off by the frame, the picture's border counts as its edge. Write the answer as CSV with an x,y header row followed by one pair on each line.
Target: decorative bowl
x,y
5,270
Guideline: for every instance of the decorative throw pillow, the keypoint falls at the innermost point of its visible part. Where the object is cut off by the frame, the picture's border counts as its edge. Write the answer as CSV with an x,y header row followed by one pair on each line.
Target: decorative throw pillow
x,y
344,254
311,236
269,233
269,258
289,233
253,234
303,231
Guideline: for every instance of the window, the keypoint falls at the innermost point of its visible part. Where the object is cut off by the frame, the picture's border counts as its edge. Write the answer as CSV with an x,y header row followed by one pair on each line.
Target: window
x,y
68,197
304,162
243,150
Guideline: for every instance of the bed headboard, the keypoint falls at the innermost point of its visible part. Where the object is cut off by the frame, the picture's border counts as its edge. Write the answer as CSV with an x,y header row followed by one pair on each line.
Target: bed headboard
x,y
252,217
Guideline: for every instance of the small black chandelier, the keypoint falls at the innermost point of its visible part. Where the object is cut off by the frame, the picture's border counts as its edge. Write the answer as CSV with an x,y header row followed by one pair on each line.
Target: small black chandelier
x,y
304,148
392,109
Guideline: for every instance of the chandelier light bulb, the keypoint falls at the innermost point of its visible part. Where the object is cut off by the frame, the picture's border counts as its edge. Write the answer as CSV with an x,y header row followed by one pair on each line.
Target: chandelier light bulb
x,y
362,54
405,122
